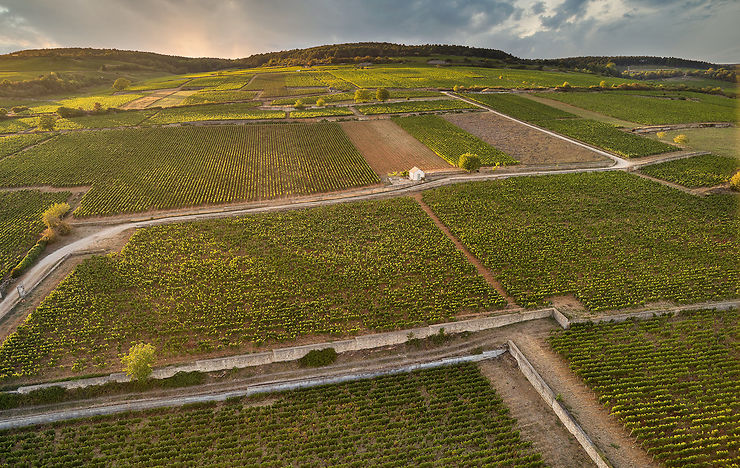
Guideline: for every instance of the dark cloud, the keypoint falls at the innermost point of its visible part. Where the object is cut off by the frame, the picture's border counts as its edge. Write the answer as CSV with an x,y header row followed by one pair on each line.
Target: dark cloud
x,y
236,28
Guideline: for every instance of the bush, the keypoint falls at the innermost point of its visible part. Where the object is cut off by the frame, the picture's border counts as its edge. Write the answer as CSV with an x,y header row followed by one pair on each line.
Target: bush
x,y
52,217
299,105
363,95
29,259
735,182
138,362
661,135
469,161
318,358
382,94
121,83
602,84
681,139
47,122
68,112
19,109
3,112
320,102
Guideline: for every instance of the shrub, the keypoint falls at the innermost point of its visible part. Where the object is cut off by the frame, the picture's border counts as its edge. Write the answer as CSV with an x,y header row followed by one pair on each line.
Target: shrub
x,y
29,259
318,358
3,112
19,109
138,362
47,122
382,94
299,104
661,135
121,83
681,139
363,95
735,182
469,161
68,112
602,84
320,102
52,217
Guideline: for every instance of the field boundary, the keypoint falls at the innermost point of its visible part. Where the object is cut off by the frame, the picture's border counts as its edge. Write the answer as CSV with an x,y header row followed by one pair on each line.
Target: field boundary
x,y
552,400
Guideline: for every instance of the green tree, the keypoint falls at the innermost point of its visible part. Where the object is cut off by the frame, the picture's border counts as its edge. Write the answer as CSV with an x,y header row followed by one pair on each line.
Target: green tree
x,y
382,94
469,161
121,83
47,122
363,95
138,362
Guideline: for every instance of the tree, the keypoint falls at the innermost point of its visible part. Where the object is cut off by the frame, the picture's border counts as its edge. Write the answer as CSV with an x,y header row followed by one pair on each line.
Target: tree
x,y
138,362
121,83
362,95
602,84
299,104
382,94
68,112
320,102
681,139
3,112
97,108
735,182
52,218
46,122
469,161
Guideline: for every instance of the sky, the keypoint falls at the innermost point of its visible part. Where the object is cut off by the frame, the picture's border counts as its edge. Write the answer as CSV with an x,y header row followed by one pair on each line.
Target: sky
x,y
696,29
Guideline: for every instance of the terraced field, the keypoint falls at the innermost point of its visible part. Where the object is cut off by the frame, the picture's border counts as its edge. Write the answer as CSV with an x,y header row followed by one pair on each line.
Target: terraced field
x,y
613,240
599,134
161,168
699,171
20,223
228,285
673,382
653,107
440,417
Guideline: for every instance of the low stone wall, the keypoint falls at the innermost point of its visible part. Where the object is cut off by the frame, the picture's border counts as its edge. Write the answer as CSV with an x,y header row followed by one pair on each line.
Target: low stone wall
x,y
552,401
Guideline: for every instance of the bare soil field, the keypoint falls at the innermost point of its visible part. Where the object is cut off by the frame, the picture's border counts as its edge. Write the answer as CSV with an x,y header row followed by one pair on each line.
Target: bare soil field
x,y
174,99
535,420
388,148
148,100
529,146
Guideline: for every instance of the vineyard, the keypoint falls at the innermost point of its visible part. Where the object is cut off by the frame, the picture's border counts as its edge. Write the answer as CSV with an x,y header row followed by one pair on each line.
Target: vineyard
x,y
234,283
414,106
613,240
111,120
599,134
320,112
87,102
444,417
238,111
20,223
449,141
209,96
673,382
134,170
699,171
653,108
14,143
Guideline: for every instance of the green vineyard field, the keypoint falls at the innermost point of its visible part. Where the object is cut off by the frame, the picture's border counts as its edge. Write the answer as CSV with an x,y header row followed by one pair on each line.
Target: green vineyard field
x,y
450,141
14,143
162,168
238,111
414,106
600,134
229,284
699,171
673,382
440,417
613,240
20,223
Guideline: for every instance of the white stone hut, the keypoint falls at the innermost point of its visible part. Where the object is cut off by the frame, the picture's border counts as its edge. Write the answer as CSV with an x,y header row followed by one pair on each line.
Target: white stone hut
x,y
416,174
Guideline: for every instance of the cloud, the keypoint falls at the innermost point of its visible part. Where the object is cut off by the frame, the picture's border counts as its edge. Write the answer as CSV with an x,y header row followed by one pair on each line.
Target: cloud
x,y
236,28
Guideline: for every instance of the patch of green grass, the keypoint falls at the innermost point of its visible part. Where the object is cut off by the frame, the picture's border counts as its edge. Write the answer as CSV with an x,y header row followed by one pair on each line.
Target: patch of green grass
x,y
699,171
653,108
519,107
450,141
720,141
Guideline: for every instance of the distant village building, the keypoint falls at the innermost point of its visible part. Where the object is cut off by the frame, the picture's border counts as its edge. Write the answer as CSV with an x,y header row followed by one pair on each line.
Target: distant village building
x,y
416,174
